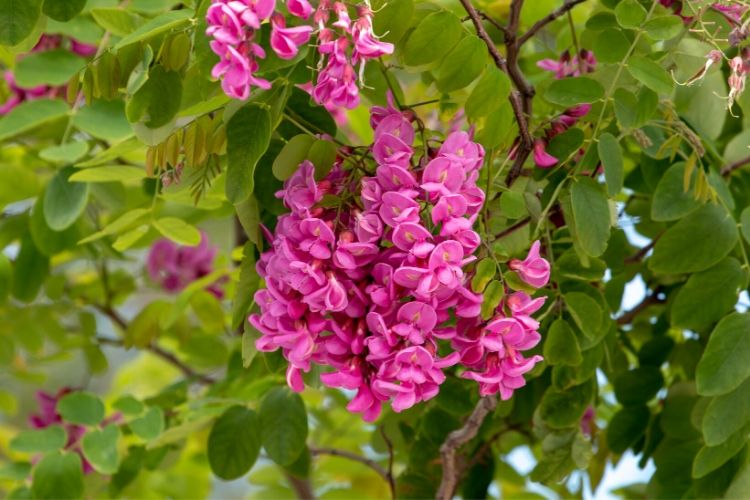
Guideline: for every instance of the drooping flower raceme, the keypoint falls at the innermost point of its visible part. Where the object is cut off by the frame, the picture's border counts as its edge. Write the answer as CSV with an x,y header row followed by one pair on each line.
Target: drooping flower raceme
x,y
344,45
376,287
174,267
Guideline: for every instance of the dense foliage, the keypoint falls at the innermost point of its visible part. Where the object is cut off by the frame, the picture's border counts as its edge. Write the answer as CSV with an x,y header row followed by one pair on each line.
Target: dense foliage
x,y
373,249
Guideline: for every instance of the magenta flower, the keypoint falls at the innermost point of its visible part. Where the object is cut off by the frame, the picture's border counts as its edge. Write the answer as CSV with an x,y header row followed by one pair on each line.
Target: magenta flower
x,y
533,270
286,41
174,267
299,8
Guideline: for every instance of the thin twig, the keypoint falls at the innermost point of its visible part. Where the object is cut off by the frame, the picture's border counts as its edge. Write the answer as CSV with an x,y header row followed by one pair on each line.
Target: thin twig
x,y
389,445
456,440
629,316
155,349
552,16
372,464
727,171
301,486
518,225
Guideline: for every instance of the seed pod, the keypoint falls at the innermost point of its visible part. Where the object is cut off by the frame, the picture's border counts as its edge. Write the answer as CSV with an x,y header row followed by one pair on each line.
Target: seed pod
x,y
74,86
150,160
89,89
178,52
171,150
188,144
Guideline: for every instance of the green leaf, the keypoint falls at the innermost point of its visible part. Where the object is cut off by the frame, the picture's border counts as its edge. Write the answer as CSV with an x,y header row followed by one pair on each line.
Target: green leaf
x,y
178,231
128,405
292,154
44,440
726,361
611,156
726,415
322,155
284,422
638,386
572,91
15,471
591,214
63,10
157,102
105,120
493,295
483,274
585,311
561,345
118,225
664,27
65,153
710,458
560,409
671,201
630,14
462,65
626,427
46,240
118,21
651,74
248,347
740,484
234,443
29,115
626,105
53,67
100,449
128,239
433,37
6,280
696,242
566,143
58,475
18,19
33,266
246,287
248,212
150,425
81,408
64,201
611,46
393,19
248,137
708,295
109,173
488,95
169,21
745,223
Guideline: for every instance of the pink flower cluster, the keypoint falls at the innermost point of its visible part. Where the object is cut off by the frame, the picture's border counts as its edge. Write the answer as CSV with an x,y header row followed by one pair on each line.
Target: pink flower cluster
x,y
342,44
377,287
18,95
565,67
174,267
48,416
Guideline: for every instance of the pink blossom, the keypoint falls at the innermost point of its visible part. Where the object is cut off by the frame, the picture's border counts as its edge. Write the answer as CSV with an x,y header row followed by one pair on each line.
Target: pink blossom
x,y
533,270
286,41
299,8
174,267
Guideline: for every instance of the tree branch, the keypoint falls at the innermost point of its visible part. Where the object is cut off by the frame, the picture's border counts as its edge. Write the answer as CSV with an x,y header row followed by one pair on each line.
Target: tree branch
x,y
372,464
649,301
153,348
456,440
518,225
567,6
301,486
727,171
389,445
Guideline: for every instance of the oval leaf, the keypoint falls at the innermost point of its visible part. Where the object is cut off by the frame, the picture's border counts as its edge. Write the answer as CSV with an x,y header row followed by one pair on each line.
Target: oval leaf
x,y
248,137
726,362
284,423
234,443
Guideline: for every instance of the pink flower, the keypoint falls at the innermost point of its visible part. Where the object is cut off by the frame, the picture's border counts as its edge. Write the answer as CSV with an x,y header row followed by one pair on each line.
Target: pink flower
x,y
533,270
286,41
174,267
541,157
299,8
442,176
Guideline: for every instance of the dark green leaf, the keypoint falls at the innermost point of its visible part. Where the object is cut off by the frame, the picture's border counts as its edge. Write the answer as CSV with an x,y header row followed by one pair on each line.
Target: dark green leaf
x,y
393,19
234,442
433,37
586,312
561,345
30,271
611,46
489,93
29,115
462,65
150,425
63,10
560,409
572,91
630,14
726,362
726,415
58,475
81,408
710,458
39,441
708,295
100,449
18,19
53,67
284,422
636,387
161,24
591,213
651,74
671,201
611,157
696,242
64,201
626,427
664,27
248,136
157,102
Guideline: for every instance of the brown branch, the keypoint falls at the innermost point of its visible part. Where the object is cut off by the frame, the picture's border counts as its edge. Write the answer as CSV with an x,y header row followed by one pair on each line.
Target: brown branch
x,y
649,301
518,225
727,171
456,440
153,348
301,486
638,256
567,6
372,464
389,445
515,100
